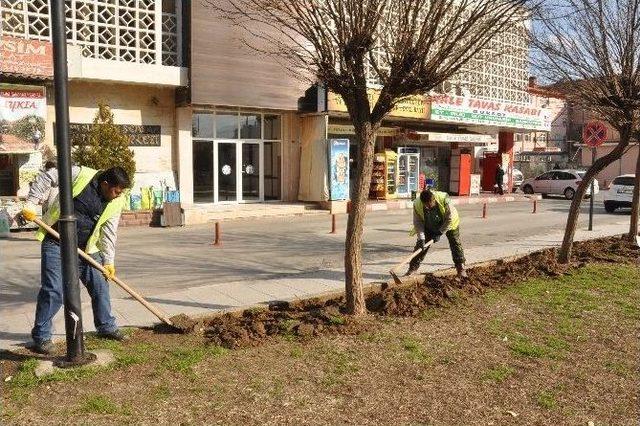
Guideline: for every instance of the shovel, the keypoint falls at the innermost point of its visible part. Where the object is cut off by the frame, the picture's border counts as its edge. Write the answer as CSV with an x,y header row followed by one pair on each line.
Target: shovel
x,y
155,311
394,271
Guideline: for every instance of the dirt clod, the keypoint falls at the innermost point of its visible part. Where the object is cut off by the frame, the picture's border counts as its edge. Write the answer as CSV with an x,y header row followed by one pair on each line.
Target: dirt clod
x,y
183,323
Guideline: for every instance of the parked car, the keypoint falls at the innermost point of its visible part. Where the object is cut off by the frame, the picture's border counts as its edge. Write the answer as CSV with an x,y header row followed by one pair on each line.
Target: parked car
x,y
557,182
620,193
518,178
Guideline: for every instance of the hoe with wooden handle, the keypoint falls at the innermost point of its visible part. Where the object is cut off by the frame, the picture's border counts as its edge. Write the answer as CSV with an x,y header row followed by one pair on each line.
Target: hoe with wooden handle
x,y
155,311
394,271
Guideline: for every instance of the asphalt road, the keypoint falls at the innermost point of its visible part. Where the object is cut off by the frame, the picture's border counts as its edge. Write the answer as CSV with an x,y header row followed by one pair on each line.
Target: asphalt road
x,y
157,260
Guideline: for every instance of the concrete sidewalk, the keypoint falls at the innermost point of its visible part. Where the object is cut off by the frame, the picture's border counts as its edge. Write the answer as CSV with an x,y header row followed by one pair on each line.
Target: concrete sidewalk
x,y
229,296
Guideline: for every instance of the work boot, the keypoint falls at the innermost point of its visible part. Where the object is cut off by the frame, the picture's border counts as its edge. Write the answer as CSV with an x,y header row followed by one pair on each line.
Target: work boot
x,y
45,347
462,273
116,335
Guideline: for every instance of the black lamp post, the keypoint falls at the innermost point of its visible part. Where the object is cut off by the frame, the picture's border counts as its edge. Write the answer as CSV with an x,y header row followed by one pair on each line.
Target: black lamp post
x,y
67,222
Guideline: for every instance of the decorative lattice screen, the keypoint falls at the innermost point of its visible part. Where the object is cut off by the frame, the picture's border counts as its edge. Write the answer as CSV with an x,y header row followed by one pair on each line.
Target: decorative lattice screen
x,y
121,30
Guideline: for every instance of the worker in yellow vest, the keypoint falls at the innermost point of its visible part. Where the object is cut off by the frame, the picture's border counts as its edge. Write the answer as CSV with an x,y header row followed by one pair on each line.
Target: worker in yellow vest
x,y
434,215
97,203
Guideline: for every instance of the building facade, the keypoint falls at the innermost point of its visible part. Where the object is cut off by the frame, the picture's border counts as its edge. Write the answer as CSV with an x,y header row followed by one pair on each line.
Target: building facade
x,y
126,54
228,126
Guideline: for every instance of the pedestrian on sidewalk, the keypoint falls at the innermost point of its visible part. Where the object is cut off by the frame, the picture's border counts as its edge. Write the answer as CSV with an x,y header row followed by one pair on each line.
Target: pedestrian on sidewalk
x,y
97,204
500,179
434,215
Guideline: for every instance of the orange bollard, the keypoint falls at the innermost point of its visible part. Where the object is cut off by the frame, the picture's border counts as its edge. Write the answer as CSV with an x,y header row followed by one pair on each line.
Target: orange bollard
x,y
333,224
484,211
217,241
535,206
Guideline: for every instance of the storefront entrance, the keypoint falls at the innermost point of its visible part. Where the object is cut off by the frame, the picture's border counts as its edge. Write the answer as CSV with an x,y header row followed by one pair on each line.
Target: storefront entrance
x,y
234,169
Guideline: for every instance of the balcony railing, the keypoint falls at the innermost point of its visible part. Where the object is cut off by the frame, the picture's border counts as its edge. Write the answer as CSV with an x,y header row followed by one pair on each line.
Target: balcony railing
x,y
120,30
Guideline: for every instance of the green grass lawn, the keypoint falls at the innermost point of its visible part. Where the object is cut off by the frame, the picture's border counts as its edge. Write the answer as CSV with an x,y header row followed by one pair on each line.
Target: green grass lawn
x,y
543,351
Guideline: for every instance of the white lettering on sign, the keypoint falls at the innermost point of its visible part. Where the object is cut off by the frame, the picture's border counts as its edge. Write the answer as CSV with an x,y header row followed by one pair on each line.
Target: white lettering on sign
x,y
22,47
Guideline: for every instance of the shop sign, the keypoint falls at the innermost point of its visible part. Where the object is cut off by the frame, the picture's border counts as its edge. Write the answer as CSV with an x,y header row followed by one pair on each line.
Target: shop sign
x,y
467,110
461,138
410,107
347,129
23,115
339,169
139,135
33,58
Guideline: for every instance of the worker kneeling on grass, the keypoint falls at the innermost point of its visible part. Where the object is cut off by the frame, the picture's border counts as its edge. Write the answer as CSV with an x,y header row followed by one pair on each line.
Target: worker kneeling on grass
x,y
433,215
97,204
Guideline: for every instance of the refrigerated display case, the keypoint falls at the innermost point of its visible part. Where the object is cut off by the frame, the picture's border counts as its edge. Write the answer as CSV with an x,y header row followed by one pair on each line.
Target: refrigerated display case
x,y
391,173
408,171
377,189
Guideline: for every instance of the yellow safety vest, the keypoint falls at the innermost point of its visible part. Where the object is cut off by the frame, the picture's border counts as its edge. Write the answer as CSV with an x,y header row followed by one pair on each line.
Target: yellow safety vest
x,y
441,199
113,209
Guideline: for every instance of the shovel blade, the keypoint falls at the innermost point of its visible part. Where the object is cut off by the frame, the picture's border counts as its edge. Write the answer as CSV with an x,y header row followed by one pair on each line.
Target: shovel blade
x,y
395,276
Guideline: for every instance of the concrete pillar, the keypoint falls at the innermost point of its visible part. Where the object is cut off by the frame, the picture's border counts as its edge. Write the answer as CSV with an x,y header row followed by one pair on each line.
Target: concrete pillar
x,y
184,154
505,146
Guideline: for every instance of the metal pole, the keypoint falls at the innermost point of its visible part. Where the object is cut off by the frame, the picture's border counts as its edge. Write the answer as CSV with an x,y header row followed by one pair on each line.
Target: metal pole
x,y
218,238
67,221
593,160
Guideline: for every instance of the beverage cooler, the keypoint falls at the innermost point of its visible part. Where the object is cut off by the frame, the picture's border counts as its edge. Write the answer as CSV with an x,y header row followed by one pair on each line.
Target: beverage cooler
x,y
408,171
391,173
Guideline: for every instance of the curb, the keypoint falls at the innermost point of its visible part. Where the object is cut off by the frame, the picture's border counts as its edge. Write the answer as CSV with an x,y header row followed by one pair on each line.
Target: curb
x,y
408,204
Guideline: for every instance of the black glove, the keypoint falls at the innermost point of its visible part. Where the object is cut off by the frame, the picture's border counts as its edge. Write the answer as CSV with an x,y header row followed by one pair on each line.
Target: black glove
x,y
436,237
420,243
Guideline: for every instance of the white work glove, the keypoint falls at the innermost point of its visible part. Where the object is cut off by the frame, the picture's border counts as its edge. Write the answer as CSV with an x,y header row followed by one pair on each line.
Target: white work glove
x,y
421,236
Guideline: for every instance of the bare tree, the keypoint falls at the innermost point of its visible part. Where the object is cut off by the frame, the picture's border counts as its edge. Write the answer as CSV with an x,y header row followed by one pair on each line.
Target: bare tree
x,y
591,48
635,202
408,46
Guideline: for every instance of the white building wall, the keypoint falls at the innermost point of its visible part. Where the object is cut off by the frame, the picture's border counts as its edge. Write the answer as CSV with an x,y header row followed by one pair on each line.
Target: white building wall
x,y
138,105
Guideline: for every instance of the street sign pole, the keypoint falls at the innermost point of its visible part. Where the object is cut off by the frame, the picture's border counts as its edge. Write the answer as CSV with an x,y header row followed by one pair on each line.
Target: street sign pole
x,y
594,134
67,222
593,160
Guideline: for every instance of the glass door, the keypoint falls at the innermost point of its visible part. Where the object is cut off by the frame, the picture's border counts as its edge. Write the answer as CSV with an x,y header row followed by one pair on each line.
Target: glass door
x,y
251,171
413,172
227,181
403,175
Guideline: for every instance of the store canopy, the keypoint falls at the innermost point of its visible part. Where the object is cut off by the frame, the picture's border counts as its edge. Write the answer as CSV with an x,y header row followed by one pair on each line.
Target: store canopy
x,y
11,144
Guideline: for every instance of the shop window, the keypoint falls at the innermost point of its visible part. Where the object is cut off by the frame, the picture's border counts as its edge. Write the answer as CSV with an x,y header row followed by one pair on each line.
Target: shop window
x,y
226,125
202,125
272,170
272,125
203,172
250,126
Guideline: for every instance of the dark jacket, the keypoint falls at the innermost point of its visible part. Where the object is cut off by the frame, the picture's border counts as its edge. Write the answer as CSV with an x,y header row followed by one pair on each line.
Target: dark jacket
x,y
499,176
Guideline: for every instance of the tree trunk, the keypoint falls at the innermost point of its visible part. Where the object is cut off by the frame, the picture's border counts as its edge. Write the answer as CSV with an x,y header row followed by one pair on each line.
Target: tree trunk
x,y
365,136
574,211
635,210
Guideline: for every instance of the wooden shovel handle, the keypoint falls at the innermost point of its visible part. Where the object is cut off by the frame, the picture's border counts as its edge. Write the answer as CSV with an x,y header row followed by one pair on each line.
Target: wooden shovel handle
x,y
116,280
411,256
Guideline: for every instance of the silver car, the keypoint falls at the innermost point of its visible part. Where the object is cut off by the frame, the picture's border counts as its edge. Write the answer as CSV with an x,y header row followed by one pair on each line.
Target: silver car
x,y
557,182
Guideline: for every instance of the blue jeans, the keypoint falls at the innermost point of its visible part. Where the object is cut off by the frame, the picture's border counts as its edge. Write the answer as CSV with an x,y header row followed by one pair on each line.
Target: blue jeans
x,y
50,295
